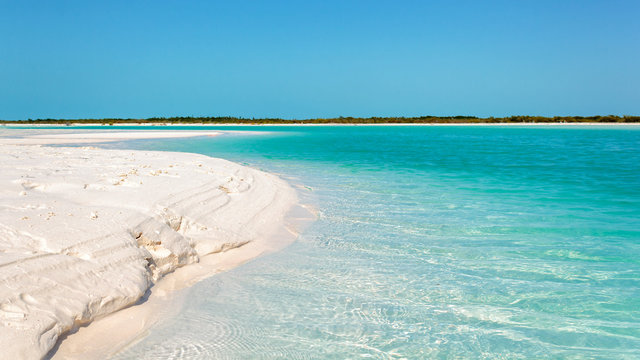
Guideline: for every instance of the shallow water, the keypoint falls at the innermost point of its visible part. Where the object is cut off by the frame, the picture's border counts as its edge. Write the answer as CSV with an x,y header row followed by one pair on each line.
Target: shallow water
x,y
431,242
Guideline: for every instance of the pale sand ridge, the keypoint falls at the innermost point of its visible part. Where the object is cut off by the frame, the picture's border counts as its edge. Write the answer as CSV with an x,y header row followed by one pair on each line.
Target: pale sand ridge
x,y
85,232
63,137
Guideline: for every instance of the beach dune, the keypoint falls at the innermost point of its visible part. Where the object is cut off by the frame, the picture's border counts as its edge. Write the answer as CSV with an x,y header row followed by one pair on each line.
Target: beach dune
x,y
85,232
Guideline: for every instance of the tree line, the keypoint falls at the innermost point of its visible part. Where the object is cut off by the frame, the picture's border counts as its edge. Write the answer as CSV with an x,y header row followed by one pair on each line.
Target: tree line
x,y
339,120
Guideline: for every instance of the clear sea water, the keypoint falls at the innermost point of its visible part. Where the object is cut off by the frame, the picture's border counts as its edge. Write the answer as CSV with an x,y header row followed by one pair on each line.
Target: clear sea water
x,y
431,242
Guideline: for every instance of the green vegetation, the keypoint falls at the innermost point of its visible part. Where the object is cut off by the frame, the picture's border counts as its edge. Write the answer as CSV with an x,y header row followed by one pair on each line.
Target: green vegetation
x,y
339,120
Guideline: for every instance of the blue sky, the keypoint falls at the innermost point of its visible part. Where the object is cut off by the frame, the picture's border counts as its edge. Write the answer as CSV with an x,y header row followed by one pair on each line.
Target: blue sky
x,y
304,59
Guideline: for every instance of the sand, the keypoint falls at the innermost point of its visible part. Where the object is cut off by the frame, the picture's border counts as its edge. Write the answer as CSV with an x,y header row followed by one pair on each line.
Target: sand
x,y
64,137
85,232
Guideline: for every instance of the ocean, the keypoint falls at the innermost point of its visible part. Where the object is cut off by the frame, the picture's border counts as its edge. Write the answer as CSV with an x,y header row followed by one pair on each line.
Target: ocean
x,y
492,242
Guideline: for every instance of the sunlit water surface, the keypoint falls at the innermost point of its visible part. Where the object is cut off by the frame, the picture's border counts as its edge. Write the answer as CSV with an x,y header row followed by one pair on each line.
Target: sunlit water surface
x,y
431,242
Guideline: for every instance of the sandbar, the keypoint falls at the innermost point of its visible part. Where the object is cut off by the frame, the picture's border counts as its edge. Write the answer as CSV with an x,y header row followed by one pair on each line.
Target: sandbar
x,y
86,232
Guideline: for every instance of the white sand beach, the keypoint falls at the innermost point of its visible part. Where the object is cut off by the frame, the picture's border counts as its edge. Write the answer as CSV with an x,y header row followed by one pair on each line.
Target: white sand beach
x,y
52,137
85,232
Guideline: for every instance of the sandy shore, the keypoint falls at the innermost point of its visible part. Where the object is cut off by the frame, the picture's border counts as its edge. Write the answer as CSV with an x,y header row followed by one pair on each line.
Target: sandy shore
x,y
85,232
64,137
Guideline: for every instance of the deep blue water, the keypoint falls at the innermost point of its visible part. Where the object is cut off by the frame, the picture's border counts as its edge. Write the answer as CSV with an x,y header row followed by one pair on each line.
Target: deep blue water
x,y
431,242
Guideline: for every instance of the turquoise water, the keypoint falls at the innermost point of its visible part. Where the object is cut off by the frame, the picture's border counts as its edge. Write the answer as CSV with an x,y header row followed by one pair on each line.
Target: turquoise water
x,y
431,242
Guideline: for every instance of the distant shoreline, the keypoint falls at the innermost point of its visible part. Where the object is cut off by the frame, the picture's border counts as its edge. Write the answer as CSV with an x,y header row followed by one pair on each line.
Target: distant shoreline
x,y
386,120
9,125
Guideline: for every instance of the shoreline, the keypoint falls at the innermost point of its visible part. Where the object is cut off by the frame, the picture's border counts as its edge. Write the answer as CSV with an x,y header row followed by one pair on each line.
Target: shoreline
x,y
103,237
60,138
168,125
130,325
